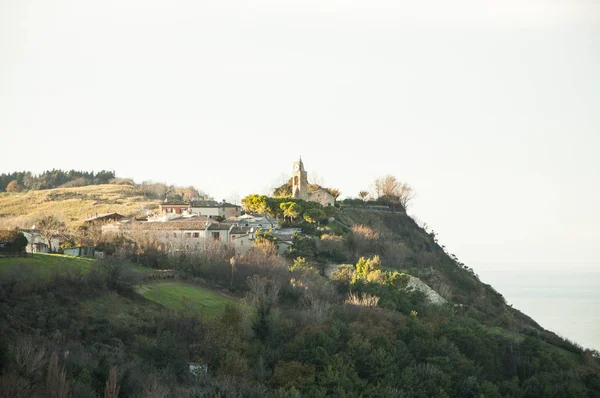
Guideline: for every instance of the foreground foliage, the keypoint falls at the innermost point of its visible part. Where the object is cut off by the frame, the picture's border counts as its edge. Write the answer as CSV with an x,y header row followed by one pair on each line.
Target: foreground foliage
x,y
90,334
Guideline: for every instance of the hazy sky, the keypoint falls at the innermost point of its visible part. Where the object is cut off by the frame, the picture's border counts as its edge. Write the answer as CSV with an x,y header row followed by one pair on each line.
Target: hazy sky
x,y
490,110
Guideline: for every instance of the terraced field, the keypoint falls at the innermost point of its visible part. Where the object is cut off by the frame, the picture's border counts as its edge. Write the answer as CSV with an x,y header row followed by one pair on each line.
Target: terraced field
x,y
176,295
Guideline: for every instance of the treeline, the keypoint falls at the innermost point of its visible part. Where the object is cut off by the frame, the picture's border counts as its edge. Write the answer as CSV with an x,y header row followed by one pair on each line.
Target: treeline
x,y
26,180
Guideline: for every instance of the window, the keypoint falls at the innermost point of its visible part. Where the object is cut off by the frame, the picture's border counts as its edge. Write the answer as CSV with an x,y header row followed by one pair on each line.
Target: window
x,y
216,235
196,234
174,234
188,234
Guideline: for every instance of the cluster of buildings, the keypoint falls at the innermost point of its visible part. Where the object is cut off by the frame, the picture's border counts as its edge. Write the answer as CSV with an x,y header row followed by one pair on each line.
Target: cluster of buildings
x,y
187,226
191,226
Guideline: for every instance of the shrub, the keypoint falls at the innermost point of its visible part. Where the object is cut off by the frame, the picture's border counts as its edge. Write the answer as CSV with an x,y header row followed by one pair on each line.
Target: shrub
x,y
115,274
14,186
121,181
363,239
77,182
362,300
342,277
12,241
333,247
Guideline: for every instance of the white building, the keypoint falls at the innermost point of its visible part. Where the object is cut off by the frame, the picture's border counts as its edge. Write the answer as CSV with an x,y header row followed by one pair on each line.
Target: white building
x,y
185,234
211,208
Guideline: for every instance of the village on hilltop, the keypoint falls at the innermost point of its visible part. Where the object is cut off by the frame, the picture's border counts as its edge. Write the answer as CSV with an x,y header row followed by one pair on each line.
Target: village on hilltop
x,y
191,225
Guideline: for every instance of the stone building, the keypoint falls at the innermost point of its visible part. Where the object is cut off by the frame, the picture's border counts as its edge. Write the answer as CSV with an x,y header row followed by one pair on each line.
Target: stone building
x,y
300,187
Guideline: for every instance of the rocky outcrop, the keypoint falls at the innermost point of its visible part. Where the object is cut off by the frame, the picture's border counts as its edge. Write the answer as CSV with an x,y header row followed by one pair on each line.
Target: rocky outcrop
x,y
431,295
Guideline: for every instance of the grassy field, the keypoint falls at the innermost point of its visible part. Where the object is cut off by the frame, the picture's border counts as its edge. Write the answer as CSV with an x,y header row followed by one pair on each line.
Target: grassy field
x,y
71,204
45,265
175,295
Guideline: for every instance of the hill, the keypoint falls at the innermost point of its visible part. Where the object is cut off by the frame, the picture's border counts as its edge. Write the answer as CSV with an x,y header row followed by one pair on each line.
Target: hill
x,y
363,332
71,204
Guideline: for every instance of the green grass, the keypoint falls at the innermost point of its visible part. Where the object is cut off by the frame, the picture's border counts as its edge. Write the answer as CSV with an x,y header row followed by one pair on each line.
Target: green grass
x,y
45,265
175,295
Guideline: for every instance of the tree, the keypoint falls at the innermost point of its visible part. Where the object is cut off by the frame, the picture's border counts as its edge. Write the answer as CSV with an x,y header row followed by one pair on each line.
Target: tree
x,y
14,186
284,190
14,241
363,194
255,204
314,215
48,227
188,193
291,210
333,192
390,188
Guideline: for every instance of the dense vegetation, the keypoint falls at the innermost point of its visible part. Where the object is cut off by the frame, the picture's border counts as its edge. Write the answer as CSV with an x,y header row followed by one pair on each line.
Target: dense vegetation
x,y
293,332
295,335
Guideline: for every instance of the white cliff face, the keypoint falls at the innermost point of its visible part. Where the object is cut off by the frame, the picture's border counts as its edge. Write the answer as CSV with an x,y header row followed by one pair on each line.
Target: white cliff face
x,y
431,295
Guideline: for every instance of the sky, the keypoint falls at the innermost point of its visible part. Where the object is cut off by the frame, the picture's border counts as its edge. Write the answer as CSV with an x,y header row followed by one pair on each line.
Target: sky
x,y
490,110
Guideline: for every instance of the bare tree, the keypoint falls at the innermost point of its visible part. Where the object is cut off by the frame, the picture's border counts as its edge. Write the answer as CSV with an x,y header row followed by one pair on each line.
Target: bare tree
x,y
29,358
390,187
50,226
317,179
56,380
363,195
111,390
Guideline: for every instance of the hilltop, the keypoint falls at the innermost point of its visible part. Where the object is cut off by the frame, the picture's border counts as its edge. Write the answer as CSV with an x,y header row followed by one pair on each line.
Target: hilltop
x,y
72,204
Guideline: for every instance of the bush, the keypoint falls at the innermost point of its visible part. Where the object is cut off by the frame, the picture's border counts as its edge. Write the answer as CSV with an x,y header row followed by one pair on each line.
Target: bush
x,y
115,274
342,277
12,241
121,181
14,186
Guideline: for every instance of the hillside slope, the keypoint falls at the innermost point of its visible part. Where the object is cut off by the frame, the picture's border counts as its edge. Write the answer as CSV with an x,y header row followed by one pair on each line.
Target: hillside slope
x,y
71,204
407,247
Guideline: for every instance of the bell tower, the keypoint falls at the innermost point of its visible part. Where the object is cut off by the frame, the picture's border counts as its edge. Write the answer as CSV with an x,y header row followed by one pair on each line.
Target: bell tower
x,y
299,181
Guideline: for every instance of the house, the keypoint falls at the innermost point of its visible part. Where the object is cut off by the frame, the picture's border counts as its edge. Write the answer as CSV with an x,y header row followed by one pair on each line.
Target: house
x,y
254,221
38,244
175,207
283,247
106,217
285,238
242,238
80,251
211,208
181,234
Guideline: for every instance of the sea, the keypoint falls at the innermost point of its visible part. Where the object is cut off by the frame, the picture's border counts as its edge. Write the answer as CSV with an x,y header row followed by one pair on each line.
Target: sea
x,y
563,298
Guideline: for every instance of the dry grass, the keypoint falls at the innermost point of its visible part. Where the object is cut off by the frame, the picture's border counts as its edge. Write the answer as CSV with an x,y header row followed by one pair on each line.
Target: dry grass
x,y
71,204
361,300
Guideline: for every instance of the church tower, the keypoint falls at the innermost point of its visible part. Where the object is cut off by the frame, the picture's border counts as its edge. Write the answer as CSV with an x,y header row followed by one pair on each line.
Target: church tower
x,y
299,181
